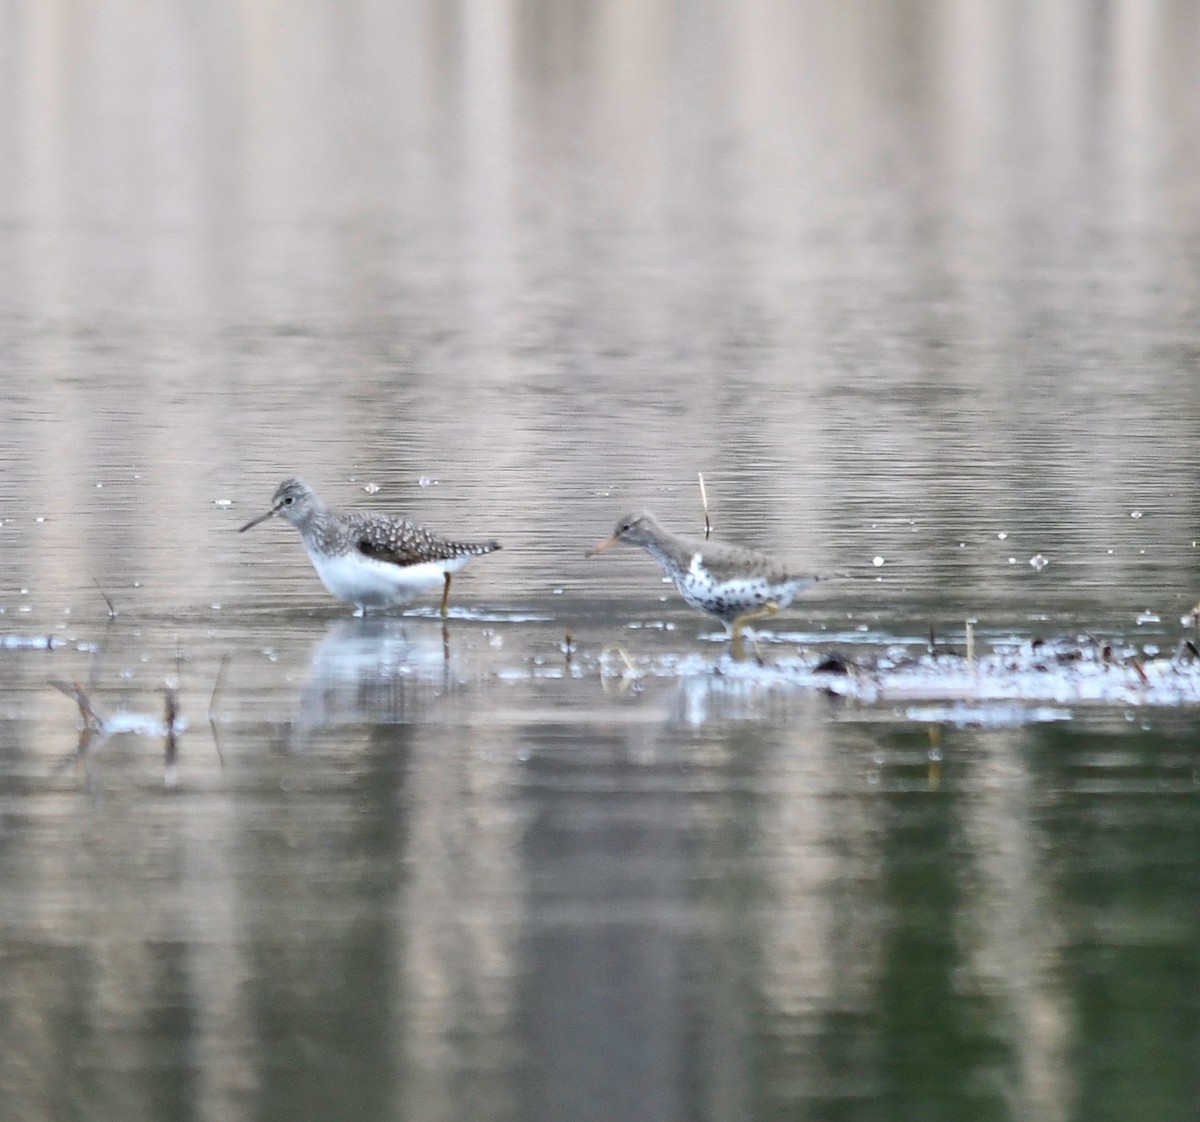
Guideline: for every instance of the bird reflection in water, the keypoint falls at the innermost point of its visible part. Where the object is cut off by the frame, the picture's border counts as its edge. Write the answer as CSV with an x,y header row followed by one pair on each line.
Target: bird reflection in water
x,y
375,668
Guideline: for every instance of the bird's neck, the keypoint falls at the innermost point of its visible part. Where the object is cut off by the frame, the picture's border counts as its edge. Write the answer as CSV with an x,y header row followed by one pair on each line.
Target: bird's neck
x,y
672,552
316,525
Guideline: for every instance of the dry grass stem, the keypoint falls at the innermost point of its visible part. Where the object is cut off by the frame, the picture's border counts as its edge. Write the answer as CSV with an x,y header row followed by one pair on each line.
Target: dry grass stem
x,y
704,503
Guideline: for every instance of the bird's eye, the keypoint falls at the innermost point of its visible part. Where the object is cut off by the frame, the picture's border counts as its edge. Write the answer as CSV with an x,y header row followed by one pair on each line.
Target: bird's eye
x,y
289,500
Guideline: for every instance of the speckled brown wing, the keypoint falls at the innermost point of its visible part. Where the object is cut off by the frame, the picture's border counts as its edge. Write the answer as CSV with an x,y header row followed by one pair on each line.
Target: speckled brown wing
x,y
404,543
731,562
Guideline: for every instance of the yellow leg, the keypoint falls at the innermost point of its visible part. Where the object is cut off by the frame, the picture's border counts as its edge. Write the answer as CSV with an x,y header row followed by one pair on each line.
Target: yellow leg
x,y
765,612
445,595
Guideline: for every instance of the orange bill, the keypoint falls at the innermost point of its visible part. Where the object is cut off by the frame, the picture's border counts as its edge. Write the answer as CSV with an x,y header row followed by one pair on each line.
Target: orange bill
x,y
600,547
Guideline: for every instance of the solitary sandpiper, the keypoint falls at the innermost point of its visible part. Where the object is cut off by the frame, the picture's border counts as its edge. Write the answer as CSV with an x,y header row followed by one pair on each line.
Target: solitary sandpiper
x,y
734,584
370,560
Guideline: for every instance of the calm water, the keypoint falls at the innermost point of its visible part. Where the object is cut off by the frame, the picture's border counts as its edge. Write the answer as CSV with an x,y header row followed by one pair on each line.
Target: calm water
x,y
914,285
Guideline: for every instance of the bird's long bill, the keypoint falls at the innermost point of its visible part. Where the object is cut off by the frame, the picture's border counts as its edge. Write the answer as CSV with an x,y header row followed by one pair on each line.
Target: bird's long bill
x,y
600,547
255,521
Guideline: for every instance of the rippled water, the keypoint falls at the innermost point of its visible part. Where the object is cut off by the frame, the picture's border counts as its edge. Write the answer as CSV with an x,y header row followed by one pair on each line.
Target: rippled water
x,y
912,285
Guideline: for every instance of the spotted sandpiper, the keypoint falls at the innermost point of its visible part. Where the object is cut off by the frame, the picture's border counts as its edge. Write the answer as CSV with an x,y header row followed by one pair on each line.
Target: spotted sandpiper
x,y
370,560
734,584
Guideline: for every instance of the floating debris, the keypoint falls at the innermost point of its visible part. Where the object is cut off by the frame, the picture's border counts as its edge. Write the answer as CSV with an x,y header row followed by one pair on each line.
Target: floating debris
x,y
834,664
1017,682
371,488
1039,562
31,642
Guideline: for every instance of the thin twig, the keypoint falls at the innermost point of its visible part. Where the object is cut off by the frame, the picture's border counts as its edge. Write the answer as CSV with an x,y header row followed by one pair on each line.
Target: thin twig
x,y
1186,646
75,692
91,729
112,611
704,502
212,705
627,676
171,748
212,701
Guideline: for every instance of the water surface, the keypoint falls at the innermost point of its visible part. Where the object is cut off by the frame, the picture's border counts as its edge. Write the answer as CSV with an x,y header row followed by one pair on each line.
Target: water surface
x,y
912,285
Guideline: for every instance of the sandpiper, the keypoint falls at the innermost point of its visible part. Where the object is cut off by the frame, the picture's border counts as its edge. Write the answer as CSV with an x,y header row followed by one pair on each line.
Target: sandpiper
x,y
734,584
370,560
